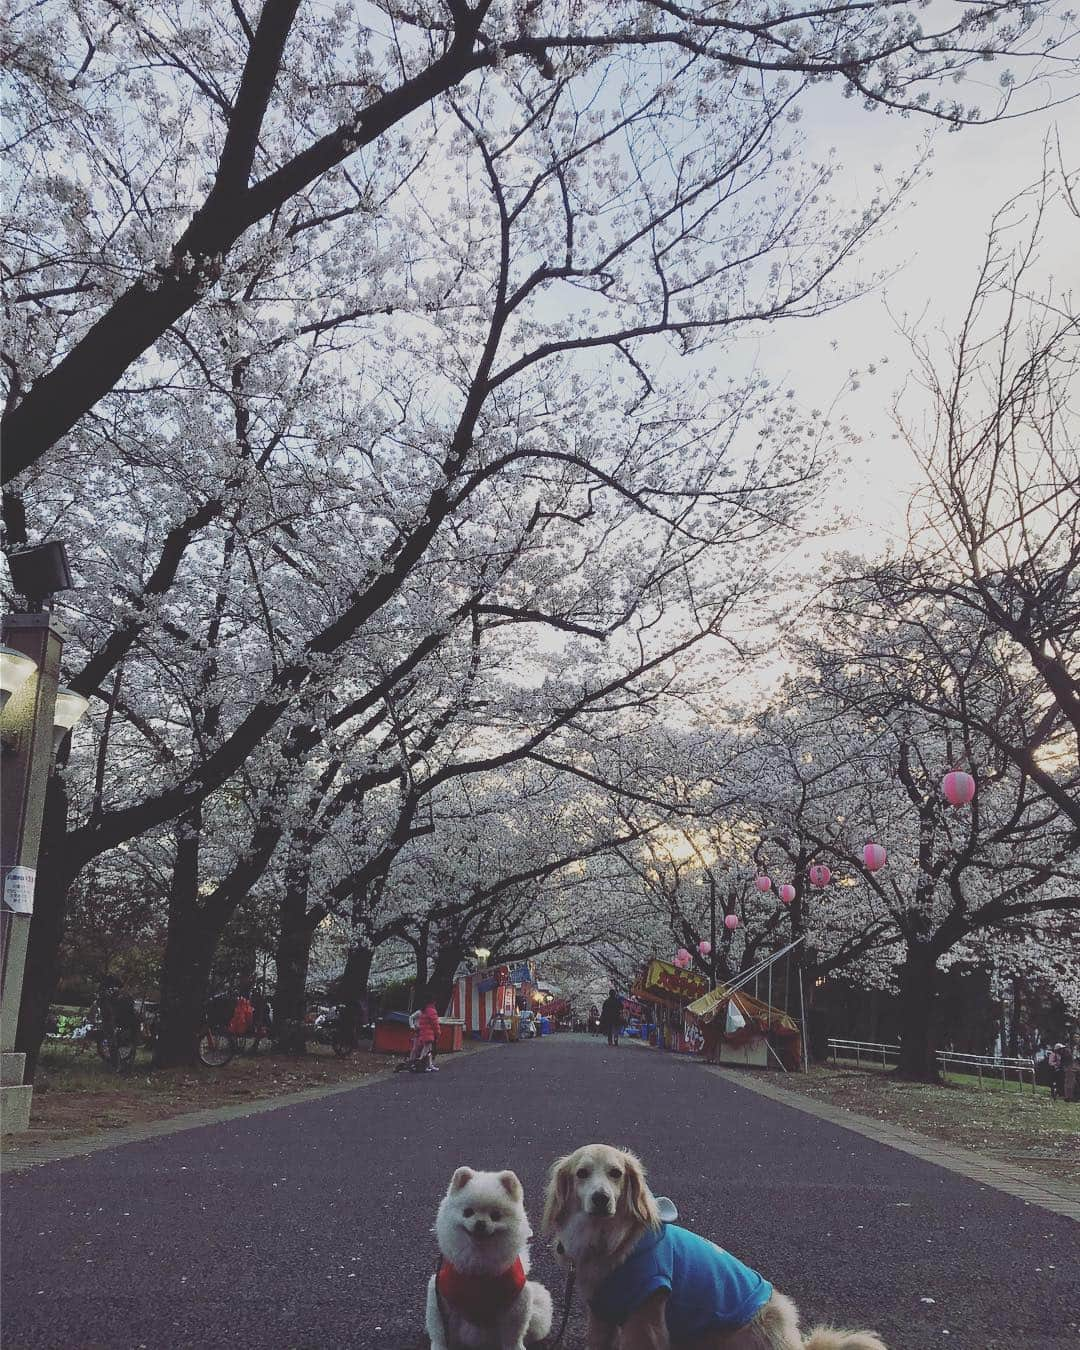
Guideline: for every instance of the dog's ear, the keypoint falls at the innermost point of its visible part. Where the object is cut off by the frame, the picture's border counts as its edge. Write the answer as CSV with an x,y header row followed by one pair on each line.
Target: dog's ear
x,y
510,1184
461,1178
557,1196
639,1198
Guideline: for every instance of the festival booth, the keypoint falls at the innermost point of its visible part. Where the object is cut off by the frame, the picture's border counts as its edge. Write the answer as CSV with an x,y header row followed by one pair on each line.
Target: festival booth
x,y
487,1002
666,990
737,1028
637,1018
393,1035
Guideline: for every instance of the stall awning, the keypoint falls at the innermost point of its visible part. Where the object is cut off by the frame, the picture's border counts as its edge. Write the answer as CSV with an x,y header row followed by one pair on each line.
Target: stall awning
x,y
705,1010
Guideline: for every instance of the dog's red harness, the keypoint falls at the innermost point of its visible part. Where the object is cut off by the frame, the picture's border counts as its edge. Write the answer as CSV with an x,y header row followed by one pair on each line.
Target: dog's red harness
x,y
480,1298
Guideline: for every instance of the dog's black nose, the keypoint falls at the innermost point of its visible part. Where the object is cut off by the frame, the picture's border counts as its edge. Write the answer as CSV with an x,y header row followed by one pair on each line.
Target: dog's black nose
x,y
600,1204
480,1226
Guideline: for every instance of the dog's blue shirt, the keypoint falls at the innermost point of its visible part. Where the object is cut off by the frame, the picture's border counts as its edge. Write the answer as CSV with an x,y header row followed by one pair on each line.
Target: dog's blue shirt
x,y
708,1286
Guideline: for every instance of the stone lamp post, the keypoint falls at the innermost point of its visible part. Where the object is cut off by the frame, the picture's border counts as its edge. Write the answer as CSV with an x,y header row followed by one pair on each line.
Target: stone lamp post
x,y
35,716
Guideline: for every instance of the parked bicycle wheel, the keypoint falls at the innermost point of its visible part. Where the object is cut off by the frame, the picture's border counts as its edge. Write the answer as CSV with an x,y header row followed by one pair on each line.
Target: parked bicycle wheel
x,y
124,1046
342,1042
216,1048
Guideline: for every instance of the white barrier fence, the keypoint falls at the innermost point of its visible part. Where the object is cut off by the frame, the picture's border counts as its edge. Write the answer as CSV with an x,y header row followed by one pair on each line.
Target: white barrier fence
x,y
993,1066
871,1051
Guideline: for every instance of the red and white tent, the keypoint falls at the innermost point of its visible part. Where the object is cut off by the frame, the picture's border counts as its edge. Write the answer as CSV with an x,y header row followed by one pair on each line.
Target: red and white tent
x,y
481,995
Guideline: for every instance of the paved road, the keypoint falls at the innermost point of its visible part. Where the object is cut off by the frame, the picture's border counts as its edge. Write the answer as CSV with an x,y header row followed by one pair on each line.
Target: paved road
x,y
309,1226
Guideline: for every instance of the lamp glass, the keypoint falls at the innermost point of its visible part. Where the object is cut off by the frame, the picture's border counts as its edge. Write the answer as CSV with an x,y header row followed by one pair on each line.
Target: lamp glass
x,y
70,707
15,669
481,953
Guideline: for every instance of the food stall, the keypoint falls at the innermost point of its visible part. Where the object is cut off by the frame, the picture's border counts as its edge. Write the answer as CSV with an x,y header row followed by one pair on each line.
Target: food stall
x,y
737,1028
636,1018
393,1035
487,1000
551,1009
666,990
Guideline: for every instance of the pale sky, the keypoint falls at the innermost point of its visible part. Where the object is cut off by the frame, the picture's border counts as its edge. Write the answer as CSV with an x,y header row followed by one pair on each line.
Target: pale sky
x,y
934,247
936,240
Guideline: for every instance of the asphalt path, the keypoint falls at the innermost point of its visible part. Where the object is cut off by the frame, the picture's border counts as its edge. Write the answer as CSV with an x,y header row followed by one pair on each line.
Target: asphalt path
x,y
309,1226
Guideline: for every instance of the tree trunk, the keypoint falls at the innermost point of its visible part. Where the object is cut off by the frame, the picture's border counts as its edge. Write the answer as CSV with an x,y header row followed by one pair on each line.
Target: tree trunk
x,y
421,955
917,994
189,953
56,872
353,985
185,984
440,986
1014,1022
291,957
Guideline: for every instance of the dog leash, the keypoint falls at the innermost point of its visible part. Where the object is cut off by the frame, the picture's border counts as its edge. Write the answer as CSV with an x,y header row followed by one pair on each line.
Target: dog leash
x,y
438,1298
568,1296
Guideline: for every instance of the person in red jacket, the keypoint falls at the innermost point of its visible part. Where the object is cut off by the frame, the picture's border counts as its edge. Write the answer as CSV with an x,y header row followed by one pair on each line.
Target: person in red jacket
x,y
427,1034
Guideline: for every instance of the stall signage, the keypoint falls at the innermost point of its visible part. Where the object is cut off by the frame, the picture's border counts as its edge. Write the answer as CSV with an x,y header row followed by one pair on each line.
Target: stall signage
x,y
666,979
497,980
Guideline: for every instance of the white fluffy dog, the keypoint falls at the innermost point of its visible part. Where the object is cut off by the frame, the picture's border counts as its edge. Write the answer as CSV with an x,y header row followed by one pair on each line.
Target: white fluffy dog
x,y
480,1298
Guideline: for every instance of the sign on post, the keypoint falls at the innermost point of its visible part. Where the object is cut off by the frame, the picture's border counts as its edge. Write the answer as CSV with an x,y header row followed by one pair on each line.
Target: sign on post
x,y
19,889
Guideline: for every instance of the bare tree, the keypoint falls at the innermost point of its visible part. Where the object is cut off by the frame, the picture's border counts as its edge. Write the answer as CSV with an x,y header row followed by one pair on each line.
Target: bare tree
x,y
996,534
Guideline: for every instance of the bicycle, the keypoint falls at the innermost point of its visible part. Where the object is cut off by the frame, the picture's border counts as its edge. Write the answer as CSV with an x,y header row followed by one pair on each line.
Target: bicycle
x,y
216,1046
339,1030
260,1030
117,1047
116,1028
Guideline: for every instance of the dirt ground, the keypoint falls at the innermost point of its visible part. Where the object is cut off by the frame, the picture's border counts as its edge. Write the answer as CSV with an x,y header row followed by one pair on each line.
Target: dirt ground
x,y
76,1094
1031,1131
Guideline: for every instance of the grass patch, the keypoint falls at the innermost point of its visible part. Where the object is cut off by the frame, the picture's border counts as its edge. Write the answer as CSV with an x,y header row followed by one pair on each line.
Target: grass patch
x,y
76,1094
1012,1126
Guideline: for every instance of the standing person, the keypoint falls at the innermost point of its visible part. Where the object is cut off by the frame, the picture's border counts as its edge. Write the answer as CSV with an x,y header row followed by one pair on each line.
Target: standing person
x,y
611,1018
1068,1070
1061,1062
427,1033
1057,1071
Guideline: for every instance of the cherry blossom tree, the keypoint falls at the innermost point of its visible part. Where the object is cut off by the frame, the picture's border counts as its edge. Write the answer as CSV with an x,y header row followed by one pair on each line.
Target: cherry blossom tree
x,y
291,128
388,399
954,876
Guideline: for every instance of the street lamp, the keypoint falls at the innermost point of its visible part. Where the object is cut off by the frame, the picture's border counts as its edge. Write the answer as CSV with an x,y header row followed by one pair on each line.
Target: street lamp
x,y
70,708
35,716
481,954
15,670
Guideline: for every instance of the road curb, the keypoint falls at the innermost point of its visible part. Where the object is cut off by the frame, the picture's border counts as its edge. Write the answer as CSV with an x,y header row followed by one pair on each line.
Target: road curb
x,y
1059,1197
61,1149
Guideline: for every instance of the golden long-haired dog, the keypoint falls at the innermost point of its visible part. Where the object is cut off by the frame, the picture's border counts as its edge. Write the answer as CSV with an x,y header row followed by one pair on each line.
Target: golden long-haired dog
x,y
651,1286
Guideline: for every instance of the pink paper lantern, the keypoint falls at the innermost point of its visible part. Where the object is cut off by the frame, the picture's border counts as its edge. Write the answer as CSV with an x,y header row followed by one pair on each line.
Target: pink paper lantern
x,y
873,856
819,875
731,922
704,948
958,787
787,894
682,957
763,884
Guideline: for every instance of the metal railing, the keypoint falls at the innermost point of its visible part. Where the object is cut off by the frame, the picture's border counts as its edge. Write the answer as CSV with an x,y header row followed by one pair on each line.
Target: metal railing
x,y
873,1052
990,1064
